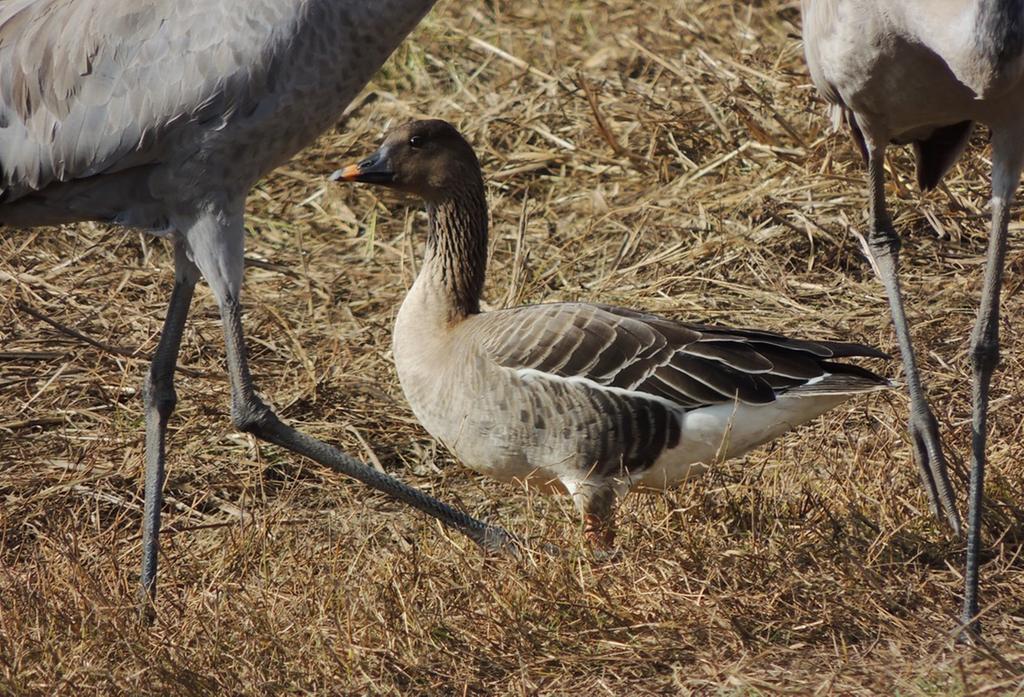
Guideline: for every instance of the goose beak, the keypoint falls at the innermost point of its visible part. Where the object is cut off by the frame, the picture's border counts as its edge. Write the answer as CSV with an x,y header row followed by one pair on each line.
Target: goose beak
x,y
345,174
375,169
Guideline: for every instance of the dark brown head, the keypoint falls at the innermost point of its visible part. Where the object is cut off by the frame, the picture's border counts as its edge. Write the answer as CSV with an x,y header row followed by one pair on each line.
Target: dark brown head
x,y
429,159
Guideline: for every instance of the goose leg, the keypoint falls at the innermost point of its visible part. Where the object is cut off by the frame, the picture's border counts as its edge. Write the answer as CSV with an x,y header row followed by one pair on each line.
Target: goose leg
x,y
160,399
883,247
597,505
217,247
1006,168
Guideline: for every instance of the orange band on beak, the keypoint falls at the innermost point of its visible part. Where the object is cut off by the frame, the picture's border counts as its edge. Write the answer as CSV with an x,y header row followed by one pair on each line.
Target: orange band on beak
x,y
349,173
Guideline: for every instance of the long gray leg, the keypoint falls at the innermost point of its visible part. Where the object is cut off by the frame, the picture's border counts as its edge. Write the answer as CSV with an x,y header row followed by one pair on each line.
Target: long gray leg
x,y
883,245
1006,167
251,415
160,399
216,243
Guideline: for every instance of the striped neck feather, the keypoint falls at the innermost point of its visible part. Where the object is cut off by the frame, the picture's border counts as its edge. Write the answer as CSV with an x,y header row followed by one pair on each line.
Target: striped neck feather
x,y
457,247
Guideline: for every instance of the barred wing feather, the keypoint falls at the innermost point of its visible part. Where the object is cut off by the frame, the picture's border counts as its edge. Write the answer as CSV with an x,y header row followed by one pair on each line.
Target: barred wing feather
x,y
690,365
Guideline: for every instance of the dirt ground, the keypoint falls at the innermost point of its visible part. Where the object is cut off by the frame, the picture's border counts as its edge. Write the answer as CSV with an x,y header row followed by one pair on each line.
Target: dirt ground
x,y
663,155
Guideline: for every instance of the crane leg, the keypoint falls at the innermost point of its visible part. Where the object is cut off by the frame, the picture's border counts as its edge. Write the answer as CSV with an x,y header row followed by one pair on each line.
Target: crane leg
x,y
251,415
160,399
1006,168
216,243
883,247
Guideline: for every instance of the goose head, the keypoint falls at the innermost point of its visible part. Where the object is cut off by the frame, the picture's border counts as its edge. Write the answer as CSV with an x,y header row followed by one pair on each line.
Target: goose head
x,y
429,159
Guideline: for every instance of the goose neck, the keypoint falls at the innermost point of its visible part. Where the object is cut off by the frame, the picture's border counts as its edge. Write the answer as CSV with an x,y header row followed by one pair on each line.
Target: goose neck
x,y
456,256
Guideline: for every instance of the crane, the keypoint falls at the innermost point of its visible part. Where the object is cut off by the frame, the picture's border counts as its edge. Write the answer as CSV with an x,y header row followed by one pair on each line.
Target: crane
x,y
160,115
924,72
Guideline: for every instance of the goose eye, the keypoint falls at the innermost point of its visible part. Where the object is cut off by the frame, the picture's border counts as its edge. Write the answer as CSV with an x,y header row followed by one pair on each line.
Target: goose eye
x,y
416,142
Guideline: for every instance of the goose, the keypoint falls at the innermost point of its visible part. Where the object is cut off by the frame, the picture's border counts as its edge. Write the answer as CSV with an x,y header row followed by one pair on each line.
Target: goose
x,y
161,115
923,73
587,399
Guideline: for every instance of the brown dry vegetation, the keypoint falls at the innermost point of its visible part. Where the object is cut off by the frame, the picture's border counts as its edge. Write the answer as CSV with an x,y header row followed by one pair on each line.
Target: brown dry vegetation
x,y
665,155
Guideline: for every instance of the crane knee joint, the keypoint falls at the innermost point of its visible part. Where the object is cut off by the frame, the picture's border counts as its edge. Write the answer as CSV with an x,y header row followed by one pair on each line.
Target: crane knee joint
x,y
159,395
253,417
884,241
985,355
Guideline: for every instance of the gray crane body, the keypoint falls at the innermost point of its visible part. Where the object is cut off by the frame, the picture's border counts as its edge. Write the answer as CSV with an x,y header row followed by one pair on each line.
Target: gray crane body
x,y
137,112
160,115
913,66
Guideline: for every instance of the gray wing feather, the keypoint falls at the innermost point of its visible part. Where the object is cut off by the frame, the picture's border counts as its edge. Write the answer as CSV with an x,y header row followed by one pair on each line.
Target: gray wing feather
x,y
688,364
70,106
819,18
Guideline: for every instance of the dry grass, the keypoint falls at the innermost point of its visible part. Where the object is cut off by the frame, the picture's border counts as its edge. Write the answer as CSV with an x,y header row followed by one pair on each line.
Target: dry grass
x,y
669,155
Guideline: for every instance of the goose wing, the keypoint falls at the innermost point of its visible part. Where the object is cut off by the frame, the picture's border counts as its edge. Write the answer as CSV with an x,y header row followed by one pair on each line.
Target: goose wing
x,y
689,365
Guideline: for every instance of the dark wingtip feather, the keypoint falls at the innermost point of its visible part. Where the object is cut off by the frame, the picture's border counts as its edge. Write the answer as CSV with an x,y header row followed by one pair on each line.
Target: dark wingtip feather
x,y
855,371
844,349
857,135
939,151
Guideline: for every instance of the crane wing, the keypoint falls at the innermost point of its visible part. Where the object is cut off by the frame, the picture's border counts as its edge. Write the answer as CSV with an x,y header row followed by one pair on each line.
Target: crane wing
x,y
70,102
